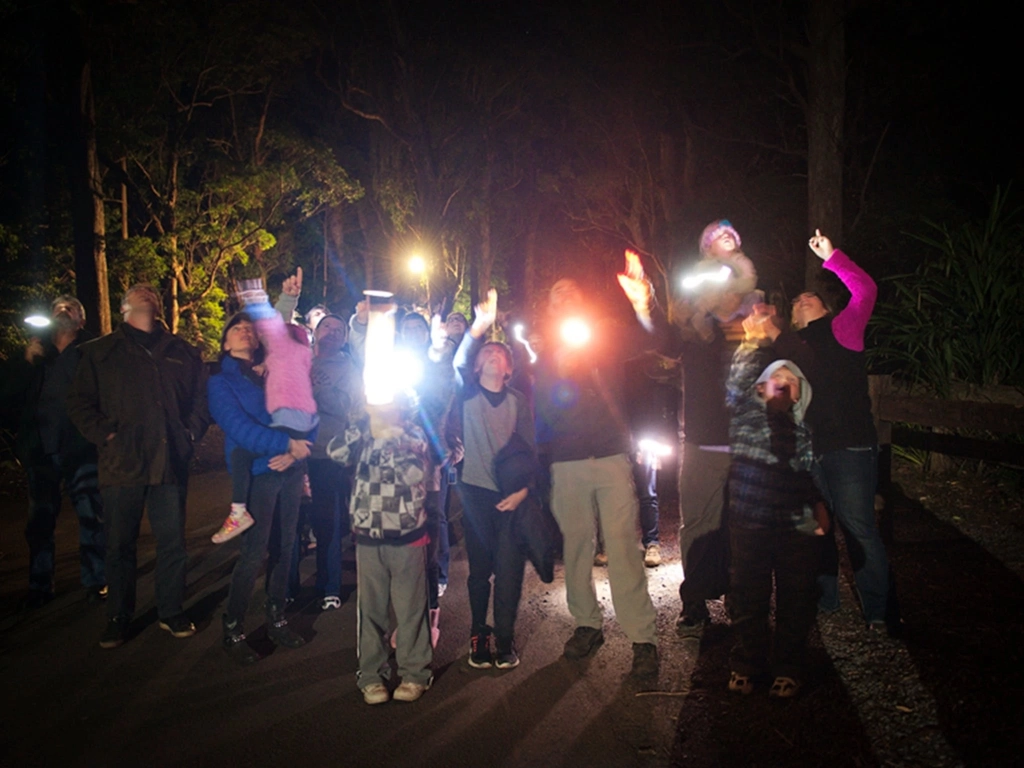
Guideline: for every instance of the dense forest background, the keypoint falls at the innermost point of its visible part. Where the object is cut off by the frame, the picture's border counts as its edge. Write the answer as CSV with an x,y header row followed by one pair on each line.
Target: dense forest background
x,y
193,143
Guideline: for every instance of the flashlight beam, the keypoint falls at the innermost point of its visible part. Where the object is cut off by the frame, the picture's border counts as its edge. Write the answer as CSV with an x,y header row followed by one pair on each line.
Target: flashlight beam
x,y
37,321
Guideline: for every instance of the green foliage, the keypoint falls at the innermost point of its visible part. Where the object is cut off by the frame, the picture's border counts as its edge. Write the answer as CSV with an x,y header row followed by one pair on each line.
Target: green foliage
x,y
957,317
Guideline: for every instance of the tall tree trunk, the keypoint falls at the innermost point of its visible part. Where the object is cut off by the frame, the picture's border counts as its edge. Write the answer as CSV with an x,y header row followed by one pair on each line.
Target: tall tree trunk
x,y
826,104
90,222
486,252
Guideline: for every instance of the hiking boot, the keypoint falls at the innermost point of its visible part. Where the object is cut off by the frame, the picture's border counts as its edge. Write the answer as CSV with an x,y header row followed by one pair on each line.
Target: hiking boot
x,y
645,660
652,556
784,688
505,656
376,693
480,651
115,633
583,642
740,683
179,626
277,627
410,691
235,644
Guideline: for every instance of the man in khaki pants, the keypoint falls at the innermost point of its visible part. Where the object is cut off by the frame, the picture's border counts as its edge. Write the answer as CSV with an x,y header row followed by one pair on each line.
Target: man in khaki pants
x,y
583,432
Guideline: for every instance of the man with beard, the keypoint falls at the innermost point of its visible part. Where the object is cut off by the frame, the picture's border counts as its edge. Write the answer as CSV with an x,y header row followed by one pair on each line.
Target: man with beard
x,y
55,454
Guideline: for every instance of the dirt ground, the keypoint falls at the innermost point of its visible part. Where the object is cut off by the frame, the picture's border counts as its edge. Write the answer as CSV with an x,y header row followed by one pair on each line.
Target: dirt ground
x,y
949,692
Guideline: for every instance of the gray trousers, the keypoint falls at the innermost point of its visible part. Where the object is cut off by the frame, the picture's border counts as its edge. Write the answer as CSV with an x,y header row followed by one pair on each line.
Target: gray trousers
x,y
703,534
605,484
392,578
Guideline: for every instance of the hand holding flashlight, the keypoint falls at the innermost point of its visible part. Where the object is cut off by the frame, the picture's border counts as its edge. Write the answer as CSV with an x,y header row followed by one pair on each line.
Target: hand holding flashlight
x,y
34,350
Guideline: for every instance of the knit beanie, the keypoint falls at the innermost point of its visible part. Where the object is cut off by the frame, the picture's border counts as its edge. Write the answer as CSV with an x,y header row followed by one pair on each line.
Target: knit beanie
x,y
713,231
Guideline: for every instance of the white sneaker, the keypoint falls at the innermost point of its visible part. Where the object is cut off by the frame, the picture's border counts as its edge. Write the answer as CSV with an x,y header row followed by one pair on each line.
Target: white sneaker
x,y
330,603
441,589
652,556
376,693
410,691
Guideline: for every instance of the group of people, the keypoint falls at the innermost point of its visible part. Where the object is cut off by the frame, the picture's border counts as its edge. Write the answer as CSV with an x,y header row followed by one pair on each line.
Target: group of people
x,y
776,443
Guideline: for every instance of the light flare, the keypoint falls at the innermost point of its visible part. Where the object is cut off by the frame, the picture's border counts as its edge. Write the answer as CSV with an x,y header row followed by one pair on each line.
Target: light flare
x,y
695,280
37,321
517,331
575,332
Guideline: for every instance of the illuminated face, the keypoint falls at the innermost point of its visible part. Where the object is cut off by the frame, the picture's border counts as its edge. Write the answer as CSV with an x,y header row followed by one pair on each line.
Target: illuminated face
x,y
415,332
493,361
807,307
67,314
723,244
330,335
241,337
565,297
315,316
455,326
782,387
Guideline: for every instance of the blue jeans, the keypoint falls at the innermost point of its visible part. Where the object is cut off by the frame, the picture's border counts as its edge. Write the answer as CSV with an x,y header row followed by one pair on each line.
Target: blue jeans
x,y
645,475
330,484
448,475
848,479
44,488
122,511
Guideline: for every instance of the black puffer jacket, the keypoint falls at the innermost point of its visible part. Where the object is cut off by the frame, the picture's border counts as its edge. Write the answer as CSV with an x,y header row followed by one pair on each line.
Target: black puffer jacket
x,y
152,400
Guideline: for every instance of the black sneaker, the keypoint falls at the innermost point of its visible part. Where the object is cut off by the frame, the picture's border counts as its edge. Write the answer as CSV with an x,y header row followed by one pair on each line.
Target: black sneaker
x,y
505,656
480,651
236,647
584,641
692,626
179,626
115,633
645,660
34,600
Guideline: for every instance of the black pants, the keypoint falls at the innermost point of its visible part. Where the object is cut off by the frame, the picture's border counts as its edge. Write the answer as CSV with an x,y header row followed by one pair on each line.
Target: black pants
x,y
491,549
122,515
793,558
269,490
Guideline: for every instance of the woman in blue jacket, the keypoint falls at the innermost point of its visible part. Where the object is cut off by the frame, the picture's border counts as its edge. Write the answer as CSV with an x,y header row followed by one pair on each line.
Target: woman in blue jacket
x,y
237,403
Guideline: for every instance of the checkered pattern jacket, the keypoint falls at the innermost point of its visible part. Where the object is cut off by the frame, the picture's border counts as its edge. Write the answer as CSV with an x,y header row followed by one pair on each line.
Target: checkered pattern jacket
x,y
770,482
388,494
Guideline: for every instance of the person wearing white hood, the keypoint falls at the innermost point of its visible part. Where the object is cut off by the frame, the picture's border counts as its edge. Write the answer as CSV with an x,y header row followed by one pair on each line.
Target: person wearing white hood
x,y
776,513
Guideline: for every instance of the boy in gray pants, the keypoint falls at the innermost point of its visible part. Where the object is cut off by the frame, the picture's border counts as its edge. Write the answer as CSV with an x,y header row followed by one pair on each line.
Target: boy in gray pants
x,y
389,522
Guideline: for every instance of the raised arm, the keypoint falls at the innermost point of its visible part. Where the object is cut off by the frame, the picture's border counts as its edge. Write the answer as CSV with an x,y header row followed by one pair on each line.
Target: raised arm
x,y
848,326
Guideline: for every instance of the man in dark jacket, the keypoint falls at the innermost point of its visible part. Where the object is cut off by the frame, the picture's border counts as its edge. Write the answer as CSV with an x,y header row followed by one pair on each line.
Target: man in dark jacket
x,y
582,428
140,396
54,452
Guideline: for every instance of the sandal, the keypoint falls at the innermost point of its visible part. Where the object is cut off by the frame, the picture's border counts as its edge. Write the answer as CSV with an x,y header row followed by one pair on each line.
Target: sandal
x,y
784,688
740,683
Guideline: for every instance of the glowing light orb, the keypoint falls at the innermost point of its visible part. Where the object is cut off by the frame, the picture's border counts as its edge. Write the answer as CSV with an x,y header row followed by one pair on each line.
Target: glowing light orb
x,y
417,265
691,282
37,321
575,332
653,447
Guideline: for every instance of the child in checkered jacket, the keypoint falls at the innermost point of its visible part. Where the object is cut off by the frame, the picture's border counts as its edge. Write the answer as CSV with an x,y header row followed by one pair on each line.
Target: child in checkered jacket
x,y
776,514
389,521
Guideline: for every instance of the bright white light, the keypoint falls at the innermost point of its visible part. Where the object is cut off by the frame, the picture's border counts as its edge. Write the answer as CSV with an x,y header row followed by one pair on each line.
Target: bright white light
x,y
378,373
417,265
406,370
517,331
575,332
37,321
654,448
690,282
